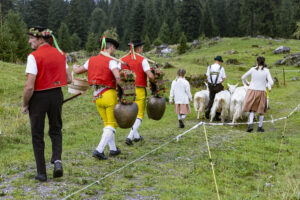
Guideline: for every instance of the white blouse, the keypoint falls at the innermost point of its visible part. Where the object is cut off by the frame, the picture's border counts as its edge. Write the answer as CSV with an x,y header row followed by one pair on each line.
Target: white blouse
x,y
180,91
259,78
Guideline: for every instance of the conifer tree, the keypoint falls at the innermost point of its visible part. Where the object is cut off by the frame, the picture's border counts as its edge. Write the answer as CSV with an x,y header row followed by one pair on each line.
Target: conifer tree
x,y
136,22
64,38
190,16
17,29
164,33
182,44
92,44
57,12
151,21
116,17
40,10
176,32
76,42
98,21
147,45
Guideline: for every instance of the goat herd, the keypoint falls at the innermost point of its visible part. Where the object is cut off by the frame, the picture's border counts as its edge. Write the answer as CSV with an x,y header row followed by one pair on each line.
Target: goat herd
x,y
228,102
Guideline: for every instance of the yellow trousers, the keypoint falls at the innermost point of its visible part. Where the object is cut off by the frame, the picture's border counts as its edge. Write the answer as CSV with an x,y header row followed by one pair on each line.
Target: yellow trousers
x,y
140,100
105,106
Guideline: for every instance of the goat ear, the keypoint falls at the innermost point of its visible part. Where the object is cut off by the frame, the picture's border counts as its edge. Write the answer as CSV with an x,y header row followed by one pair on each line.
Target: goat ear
x,y
228,84
236,84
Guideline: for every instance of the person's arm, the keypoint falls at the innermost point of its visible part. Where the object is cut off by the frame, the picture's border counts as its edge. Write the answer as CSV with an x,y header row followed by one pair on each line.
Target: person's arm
x,y
146,68
244,77
269,79
223,75
188,91
171,93
79,69
28,91
116,74
150,75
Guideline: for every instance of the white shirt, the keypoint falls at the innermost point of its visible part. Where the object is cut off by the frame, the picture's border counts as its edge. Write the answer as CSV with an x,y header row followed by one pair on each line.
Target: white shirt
x,y
215,68
145,65
31,67
180,90
259,78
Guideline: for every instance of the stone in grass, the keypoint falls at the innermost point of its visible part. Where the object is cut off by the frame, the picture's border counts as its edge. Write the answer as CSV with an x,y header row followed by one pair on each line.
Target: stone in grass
x,y
168,65
282,49
232,61
255,46
296,78
297,64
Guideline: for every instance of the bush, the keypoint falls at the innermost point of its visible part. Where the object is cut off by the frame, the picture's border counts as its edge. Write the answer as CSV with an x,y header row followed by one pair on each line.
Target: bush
x,y
157,42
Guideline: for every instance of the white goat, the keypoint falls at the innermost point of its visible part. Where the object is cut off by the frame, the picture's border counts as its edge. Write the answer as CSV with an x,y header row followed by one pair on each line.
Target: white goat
x,y
201,99
236,103
222,103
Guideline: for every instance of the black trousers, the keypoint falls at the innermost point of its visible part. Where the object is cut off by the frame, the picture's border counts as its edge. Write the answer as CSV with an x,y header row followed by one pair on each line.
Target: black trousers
x,y
213,90
41,103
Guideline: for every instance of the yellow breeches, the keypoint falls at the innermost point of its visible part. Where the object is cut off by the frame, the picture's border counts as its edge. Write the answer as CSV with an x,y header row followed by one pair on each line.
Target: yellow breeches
x,y
105,106
140,101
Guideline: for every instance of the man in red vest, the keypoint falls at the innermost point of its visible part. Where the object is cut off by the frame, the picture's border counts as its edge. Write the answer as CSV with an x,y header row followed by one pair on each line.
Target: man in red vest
x,y
47,71
103,75
141,68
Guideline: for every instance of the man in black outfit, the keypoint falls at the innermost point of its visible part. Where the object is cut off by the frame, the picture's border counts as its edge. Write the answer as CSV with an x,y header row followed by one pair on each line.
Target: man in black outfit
x,y
46,72
215,77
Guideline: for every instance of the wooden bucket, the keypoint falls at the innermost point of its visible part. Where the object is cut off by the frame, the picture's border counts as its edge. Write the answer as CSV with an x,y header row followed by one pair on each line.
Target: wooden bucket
x,y
78,85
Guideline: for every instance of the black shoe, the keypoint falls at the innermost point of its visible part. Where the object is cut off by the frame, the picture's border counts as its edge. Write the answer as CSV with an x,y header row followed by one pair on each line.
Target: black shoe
x,y
260,129
181,124
114,153
138,139
128,141
58,170
250,128
217,119
99,155
41,177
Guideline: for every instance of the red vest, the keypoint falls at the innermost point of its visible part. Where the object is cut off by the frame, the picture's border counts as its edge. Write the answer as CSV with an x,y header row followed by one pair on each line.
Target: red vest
x,y
137,67
51,66
99,72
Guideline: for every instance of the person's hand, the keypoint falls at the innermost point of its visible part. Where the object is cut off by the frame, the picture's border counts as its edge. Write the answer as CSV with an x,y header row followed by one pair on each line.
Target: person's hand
x,y
170,101
75,67
25,110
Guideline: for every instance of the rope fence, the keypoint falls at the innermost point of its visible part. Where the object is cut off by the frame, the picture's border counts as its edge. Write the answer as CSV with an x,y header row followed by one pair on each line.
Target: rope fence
x,y
181,135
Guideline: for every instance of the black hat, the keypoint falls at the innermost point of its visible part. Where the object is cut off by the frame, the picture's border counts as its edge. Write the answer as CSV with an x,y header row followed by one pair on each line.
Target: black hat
x,y
136,42
39,31
114,42
219,58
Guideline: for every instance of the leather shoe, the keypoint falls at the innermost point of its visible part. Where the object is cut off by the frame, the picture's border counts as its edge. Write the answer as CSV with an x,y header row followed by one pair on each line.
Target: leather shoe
x,y
250,128
138,139
99,155
260,129
114,153
41,177
58,170
128,141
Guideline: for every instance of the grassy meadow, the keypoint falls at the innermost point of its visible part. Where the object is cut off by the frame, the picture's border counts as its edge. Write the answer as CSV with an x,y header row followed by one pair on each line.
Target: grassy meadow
x,y
243,161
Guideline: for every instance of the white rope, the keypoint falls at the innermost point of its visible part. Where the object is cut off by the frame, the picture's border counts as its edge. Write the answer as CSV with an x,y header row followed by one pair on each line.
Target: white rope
x,y
166,143
153,150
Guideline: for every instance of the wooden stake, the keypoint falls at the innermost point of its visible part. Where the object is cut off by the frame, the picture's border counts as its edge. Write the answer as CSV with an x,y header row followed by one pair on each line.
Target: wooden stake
x,y
283,76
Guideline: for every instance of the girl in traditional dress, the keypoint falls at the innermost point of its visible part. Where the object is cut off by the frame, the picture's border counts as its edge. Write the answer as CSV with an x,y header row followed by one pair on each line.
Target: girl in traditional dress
x,y
180,91
256,99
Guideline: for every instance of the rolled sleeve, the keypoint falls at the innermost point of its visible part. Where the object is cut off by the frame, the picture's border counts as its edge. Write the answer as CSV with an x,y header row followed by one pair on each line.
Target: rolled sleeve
x,y
86,65
31,67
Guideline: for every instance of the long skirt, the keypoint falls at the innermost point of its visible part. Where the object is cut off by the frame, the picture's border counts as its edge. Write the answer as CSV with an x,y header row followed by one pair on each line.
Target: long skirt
x,y
182,109
255,101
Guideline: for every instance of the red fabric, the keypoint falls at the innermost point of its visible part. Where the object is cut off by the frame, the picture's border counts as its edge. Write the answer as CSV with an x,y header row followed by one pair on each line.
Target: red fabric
x,y
51,65
99,72
137,67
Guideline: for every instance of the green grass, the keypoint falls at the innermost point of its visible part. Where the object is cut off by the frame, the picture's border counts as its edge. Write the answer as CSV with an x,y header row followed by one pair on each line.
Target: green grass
x,y
243,161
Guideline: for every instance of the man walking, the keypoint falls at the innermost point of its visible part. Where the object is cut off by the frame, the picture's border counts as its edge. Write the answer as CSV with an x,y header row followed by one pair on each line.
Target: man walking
x,y
215,77
141,68
46,72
